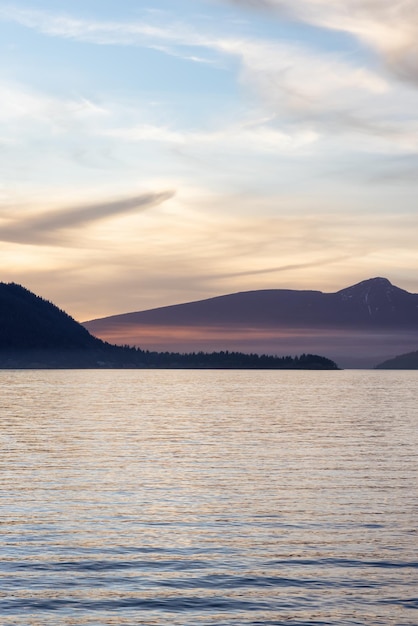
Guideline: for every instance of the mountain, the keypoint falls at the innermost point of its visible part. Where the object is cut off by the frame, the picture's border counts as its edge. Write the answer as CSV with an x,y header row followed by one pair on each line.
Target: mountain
x,y
357,326
34,333
371,303
407,361
28,321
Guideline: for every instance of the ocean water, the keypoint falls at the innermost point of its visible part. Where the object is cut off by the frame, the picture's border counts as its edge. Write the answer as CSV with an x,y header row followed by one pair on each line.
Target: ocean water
x,y
208,498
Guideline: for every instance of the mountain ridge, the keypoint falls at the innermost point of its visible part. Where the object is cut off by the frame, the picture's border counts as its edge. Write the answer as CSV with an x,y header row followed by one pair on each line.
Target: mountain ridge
x,y
372,295
357,326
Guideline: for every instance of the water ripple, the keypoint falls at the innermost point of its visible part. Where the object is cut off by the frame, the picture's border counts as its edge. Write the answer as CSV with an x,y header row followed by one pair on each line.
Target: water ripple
x,y
186,498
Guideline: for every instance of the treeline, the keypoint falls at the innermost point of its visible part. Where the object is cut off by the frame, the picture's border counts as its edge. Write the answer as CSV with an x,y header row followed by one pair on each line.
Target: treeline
x,y
116,357
224,360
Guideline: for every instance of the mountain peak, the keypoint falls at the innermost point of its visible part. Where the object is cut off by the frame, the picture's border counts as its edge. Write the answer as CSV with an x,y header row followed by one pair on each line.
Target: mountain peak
x,y
371,283
375,296
371,286
380,281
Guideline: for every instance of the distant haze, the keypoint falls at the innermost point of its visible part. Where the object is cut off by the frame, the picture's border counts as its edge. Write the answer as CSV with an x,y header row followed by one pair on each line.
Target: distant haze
x,y
359,326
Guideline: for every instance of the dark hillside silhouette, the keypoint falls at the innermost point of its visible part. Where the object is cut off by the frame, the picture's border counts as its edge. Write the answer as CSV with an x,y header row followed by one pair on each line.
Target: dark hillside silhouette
x,y
407,361
30,322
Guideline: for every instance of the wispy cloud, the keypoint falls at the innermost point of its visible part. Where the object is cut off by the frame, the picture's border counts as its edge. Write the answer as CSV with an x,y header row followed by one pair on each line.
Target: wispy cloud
x,y
257,136
309,101
206,245
295,81
51,227
21,104
389,27
287,268
171,38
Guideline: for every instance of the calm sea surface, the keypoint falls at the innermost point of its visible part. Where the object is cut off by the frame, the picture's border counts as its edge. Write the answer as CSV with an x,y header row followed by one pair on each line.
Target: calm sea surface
x,y
208,498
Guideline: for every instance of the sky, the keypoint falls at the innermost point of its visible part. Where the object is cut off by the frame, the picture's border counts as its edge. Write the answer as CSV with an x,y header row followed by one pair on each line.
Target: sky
x,y
160,152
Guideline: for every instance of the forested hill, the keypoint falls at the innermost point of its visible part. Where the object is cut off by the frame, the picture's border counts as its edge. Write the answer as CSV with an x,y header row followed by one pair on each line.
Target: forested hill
x,y
30,322
407,361
35,333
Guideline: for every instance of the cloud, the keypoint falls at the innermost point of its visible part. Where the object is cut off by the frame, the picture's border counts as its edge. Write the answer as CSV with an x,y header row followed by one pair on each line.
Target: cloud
x,y
259,134
319,90
302,85
389,27
286,268
164,38
19,103
211,244
47,227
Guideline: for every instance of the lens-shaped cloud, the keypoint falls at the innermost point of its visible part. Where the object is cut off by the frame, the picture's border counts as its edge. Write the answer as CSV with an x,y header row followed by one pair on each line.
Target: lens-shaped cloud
x,y
50,226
